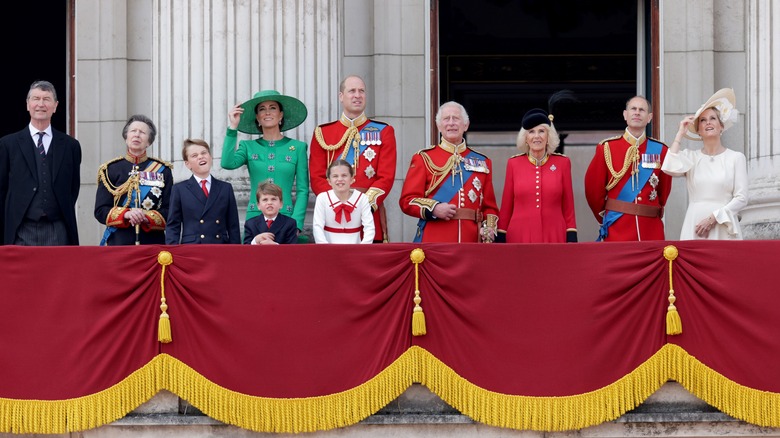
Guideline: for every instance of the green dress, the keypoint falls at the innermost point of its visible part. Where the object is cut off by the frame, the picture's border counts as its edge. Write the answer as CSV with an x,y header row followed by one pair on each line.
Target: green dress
x,y
284,163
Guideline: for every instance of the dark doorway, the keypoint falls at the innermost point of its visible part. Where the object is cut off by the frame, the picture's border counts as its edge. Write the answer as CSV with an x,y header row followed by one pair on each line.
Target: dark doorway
x,y
35,47
500,58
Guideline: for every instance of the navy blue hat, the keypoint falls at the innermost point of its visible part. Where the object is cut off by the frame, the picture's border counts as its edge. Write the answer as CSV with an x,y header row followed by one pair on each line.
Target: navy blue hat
x,y
535,117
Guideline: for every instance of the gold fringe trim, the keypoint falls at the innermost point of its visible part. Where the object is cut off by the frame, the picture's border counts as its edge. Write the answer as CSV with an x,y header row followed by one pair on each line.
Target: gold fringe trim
x,y
757,407
418,317
308,414
82,413
293,415
673,321
545,413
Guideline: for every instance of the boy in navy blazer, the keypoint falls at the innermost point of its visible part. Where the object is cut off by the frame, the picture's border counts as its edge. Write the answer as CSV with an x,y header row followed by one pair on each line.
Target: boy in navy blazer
x,y
271,228
203,209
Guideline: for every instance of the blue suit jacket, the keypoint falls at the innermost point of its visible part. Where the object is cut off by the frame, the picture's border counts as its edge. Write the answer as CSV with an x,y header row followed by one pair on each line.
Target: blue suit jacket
x,y
194,218
285,229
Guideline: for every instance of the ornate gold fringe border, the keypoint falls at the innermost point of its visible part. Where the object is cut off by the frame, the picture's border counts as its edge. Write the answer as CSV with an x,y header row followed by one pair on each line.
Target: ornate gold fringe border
x,y
331,411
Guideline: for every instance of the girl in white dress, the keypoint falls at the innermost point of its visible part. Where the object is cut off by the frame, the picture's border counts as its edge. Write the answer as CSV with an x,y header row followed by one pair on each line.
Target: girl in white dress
x,y
716,177
342,214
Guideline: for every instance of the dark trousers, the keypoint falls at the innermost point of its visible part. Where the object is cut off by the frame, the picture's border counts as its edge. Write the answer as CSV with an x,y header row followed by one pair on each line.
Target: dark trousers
x,y
41,233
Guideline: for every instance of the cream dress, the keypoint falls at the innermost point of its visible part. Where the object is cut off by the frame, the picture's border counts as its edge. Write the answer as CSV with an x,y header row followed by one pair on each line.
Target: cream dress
x,y
717,185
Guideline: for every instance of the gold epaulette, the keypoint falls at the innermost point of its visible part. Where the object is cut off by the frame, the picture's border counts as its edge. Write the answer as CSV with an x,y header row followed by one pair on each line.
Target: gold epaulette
x,y
104,166
431,147
164,163
657,140
478,153
610,139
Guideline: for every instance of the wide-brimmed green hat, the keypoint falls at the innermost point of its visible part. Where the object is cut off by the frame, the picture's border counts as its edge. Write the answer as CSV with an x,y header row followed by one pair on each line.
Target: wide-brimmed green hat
x,y
294,111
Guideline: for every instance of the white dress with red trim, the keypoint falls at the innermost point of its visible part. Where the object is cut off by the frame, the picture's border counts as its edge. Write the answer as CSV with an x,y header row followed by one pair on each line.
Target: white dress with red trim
x,y
343,222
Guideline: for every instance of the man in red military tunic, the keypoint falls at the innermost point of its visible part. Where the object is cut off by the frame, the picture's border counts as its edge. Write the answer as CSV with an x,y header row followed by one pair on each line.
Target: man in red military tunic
x,y
624,185
368,145
449,187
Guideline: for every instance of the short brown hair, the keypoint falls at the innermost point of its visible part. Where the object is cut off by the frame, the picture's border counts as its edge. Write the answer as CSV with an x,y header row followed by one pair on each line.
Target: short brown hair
x,y
268,188
193,141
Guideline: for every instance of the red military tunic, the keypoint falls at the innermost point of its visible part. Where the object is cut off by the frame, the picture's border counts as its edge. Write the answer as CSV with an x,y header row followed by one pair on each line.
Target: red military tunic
x,y
654,193
444,164
374,160
538,201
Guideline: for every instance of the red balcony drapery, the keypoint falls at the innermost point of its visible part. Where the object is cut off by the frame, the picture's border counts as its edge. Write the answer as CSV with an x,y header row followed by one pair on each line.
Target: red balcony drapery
x,y
311,337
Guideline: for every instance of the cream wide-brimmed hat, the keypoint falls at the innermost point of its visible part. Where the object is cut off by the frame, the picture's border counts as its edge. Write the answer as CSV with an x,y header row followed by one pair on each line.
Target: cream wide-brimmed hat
x,y
725,102
294,111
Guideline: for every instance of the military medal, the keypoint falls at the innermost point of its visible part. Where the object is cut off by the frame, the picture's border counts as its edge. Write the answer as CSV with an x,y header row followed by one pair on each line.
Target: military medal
x,y
154,179
369,154
653,183
477,183
553,168
475,165
370,172
651,161
472,196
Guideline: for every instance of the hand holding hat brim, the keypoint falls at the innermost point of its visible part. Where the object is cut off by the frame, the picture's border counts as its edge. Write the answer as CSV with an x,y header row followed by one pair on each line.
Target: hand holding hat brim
x,y
725,102
294,111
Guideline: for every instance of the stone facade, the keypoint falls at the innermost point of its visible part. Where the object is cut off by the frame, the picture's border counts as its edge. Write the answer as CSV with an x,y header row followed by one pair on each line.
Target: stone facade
x,y
185,62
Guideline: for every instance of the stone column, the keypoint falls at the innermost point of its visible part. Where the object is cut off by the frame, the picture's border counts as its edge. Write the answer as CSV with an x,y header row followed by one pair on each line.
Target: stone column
x,y
208,56
761,218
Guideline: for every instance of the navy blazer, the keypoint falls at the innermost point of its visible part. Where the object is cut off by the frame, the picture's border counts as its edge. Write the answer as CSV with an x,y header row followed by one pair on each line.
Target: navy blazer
x,y
194,218
285,229
19,180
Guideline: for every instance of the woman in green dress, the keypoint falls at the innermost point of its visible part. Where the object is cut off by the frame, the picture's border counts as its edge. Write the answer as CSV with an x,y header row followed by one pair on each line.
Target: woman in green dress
x,y
272,157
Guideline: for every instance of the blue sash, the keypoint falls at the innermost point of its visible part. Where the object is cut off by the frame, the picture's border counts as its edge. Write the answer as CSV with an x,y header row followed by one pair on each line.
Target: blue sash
x,y
143,190
369,127
627,193
444,193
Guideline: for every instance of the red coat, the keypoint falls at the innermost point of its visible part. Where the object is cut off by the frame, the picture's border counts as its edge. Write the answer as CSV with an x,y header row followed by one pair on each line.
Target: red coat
x,y
538,202
375,166
475,193
628,227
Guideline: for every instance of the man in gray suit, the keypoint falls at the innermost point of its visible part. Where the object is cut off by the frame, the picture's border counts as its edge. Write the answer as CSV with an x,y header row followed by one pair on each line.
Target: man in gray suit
x,y
39,178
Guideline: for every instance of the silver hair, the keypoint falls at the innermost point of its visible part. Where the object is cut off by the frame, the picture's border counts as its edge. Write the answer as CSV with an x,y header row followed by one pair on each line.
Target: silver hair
x,y
463,113
43,86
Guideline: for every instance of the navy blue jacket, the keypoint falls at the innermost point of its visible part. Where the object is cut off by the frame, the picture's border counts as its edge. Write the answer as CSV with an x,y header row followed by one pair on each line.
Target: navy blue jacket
x,y
194,218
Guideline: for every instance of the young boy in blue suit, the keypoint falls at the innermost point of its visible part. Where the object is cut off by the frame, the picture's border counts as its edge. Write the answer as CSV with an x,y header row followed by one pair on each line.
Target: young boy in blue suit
x,y
271,228
203,209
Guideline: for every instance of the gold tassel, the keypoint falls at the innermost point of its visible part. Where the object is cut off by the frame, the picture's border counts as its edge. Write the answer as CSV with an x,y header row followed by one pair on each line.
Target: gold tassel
x,y
673,321
418,317
164,326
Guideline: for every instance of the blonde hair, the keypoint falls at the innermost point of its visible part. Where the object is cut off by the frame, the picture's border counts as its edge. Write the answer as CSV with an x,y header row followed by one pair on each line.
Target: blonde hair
x,y
553,139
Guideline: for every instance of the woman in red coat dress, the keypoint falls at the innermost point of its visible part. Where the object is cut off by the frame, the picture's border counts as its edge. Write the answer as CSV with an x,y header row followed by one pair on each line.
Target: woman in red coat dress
x,y
538,202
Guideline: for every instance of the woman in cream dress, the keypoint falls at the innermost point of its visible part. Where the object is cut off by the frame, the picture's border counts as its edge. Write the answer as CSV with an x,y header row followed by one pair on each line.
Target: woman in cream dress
x,y
716,176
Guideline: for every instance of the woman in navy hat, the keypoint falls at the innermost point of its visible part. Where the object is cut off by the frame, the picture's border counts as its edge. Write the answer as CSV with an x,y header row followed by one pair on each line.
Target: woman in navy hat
x,y
538,201
272,156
